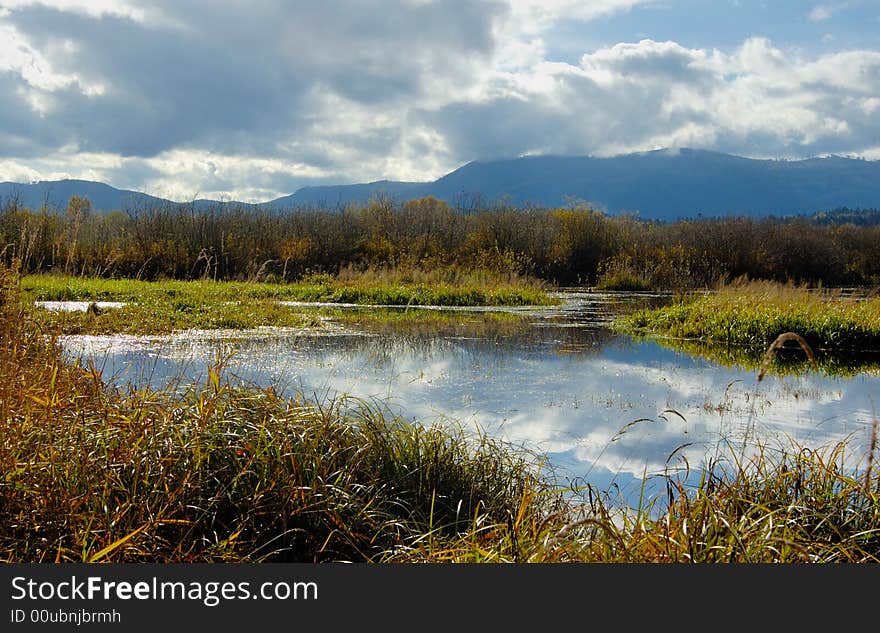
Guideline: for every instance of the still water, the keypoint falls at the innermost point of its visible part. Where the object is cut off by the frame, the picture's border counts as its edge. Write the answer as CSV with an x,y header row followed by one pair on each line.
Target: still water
x,y
603,408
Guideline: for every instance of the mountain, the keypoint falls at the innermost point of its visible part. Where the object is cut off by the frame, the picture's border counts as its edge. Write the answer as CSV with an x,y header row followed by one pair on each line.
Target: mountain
x,y
55,194
661,185
340,195
656,185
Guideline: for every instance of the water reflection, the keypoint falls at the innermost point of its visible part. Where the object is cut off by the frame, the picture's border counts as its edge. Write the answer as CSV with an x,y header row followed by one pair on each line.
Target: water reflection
x,y
604,408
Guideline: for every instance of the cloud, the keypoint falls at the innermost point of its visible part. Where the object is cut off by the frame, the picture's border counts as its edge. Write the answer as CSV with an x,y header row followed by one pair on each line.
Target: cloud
x,y
535,16
756,100
823,12
92,8
820,13
252,102
331,81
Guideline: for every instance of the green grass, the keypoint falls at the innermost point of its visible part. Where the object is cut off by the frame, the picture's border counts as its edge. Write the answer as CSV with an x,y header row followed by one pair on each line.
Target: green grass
x,y
623,281
391,288
161,307
222,473
753,315
433,323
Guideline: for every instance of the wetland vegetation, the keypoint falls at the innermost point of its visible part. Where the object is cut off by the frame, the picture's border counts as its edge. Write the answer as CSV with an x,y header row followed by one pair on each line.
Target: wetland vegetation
x,y
740,321
221,472
577,245
217,470
164,306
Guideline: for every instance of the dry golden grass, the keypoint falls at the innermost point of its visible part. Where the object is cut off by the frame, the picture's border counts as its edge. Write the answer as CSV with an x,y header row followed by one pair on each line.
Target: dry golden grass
x,y
218,473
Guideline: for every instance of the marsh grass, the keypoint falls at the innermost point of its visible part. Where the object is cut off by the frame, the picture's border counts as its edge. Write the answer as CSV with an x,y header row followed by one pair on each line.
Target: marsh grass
x,y
217,472
163,318
795,505
432,323
623,281
162,307
226,475
443,287
754,314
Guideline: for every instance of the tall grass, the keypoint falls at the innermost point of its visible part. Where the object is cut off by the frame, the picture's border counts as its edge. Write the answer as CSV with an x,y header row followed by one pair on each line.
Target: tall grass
x,y
564,246
224,473
795,505
755,313
227,475
372,286
219,473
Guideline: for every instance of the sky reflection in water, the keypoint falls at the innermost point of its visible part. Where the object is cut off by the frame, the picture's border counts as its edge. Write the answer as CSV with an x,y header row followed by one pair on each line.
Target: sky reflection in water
x,y
566,388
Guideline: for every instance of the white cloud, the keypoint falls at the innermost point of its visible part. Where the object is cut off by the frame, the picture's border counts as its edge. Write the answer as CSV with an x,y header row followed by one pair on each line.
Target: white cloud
x,y
758,100
537,15
19,57
186,174
251,102
13,171
821,13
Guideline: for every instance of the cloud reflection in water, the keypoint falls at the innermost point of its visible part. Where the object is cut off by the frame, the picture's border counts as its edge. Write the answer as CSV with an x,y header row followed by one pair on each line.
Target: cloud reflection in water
x,y
569,393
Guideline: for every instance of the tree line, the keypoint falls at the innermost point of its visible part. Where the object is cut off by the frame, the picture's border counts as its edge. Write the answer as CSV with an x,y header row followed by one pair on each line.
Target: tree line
x,y
575,245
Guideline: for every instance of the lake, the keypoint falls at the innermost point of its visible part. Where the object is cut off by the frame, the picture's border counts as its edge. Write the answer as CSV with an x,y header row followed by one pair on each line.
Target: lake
x,y
603,408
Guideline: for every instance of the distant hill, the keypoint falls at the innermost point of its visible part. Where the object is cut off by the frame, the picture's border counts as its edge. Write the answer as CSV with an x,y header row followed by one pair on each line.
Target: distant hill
x,y
56,193
665,185
340,195
657,185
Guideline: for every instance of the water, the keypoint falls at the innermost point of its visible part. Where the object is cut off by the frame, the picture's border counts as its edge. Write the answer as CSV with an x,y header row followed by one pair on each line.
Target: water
x,y
604,409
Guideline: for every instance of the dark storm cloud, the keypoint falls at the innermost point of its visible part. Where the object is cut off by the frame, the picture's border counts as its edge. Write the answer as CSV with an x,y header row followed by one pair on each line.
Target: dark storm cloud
x,y
235,79
163,88
20,131
499,128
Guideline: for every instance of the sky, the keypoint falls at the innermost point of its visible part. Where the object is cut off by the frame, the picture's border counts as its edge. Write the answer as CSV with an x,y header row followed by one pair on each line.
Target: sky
x,y
250,101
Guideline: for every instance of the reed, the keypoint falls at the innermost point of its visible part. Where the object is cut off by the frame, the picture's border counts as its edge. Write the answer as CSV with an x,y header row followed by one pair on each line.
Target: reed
x,y
754,314
217,472
575,245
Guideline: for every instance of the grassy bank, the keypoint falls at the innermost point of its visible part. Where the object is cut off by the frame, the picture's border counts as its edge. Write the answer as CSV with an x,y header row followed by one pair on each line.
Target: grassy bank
x,y
220,473
160,307
376,287
224,474
430,323
754,314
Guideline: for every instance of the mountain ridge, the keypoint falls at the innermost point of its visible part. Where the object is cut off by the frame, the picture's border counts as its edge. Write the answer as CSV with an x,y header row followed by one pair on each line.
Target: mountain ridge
x,y
655,185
